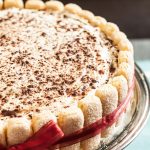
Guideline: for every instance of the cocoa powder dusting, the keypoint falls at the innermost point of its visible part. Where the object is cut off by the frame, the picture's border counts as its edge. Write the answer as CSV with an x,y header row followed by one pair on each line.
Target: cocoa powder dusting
x,y
46,59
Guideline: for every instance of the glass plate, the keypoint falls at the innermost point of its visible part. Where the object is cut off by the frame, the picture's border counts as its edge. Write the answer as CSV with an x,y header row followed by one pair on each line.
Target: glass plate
x,y
140,116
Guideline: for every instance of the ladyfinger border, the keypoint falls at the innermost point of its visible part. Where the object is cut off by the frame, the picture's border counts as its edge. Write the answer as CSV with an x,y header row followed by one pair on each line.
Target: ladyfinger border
x,y
123,75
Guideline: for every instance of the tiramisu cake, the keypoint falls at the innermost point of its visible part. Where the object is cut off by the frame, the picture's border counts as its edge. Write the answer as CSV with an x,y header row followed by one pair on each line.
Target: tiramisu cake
x,y
60,63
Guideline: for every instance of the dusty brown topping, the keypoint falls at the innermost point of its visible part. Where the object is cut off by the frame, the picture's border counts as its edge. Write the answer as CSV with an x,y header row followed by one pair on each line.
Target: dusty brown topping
x,y
46,58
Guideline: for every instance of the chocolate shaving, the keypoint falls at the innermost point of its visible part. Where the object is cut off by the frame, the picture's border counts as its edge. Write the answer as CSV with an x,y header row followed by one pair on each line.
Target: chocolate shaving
x,y
10,113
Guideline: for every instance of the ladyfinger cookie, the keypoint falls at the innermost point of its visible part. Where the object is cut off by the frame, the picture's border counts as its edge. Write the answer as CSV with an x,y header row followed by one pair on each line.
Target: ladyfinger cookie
x,y
92,109
121,85
2,133
18,130
125,56
71,120
38,5
99,22
116,36
86,14
40,119
125,45
54,6
127,71
109,28
1,4
108,95
13,3
73,8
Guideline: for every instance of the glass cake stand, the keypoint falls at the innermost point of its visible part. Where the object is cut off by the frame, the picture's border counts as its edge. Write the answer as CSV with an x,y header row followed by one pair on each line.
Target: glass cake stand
x,y
140,117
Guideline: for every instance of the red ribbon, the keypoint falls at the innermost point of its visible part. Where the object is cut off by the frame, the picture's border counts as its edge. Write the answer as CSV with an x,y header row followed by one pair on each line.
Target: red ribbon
x,y
50,135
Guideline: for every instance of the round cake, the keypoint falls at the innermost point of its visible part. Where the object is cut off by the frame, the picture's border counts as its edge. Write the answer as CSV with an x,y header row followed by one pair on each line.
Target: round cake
x,y
60,63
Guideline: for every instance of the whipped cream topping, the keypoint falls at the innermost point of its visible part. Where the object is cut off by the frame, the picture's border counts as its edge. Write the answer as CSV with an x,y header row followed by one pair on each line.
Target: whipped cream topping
x,y
49,61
